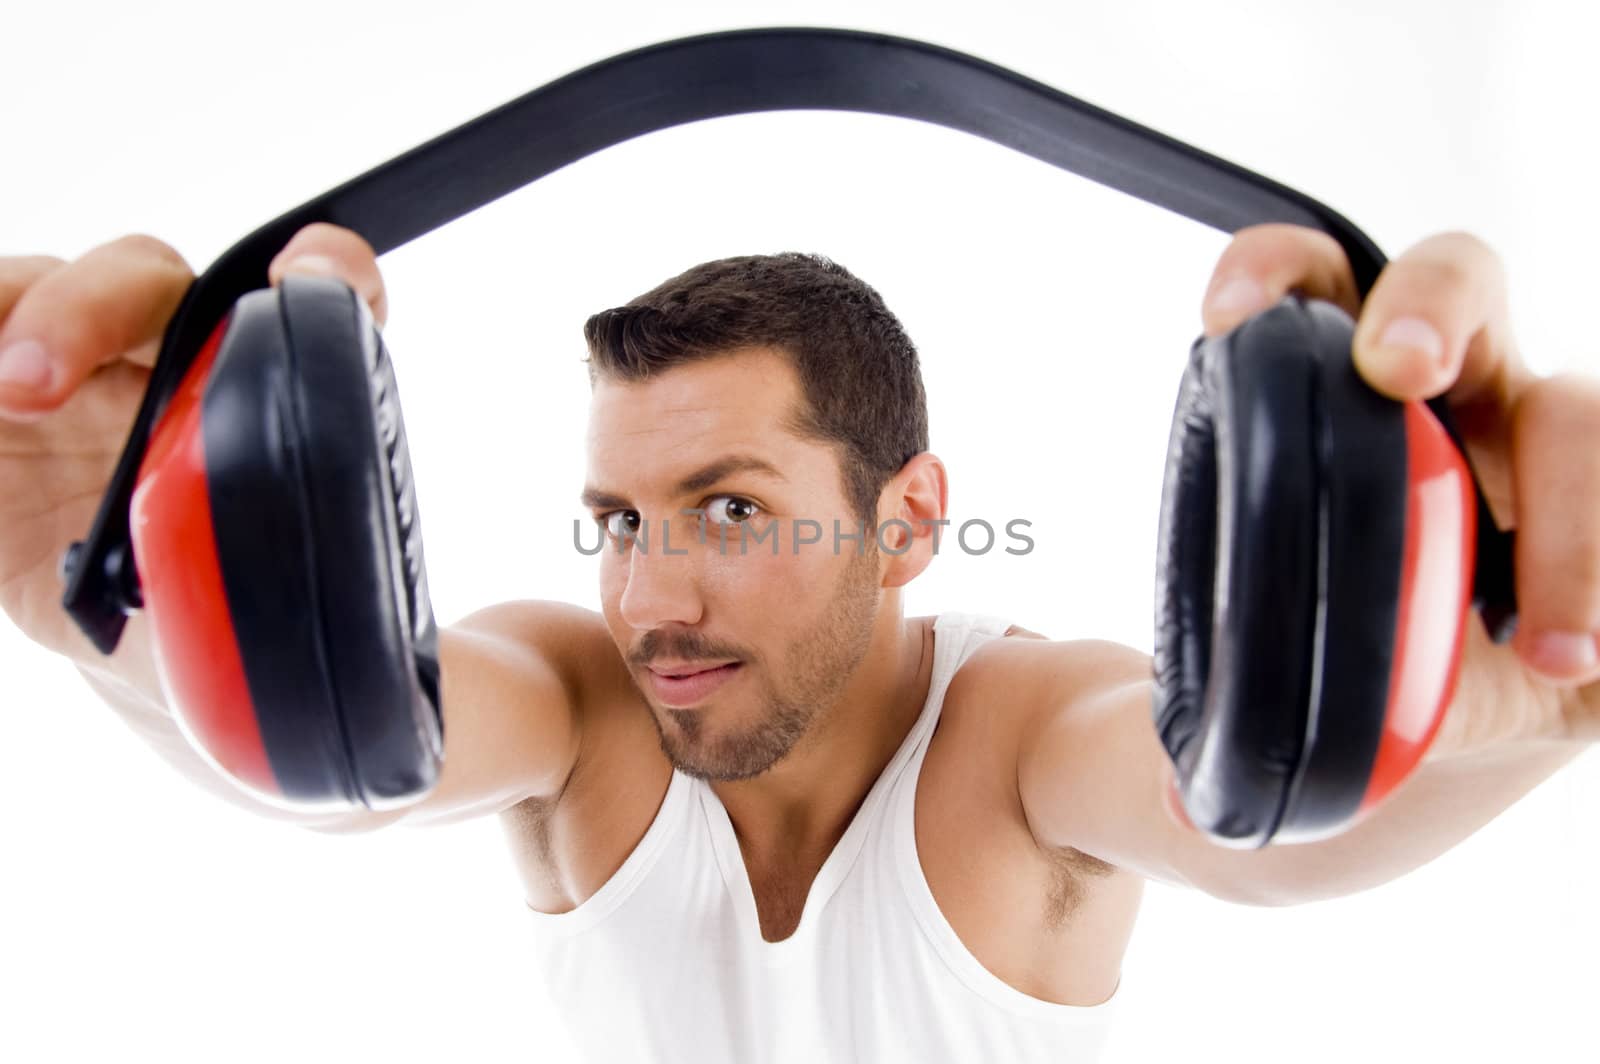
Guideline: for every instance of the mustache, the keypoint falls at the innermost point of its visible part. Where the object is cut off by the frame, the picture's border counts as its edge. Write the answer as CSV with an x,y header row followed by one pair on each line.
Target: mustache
x,y
681,646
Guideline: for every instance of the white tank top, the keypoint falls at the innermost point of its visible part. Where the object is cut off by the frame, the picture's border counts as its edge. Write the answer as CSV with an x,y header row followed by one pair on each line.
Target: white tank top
x,y
666,961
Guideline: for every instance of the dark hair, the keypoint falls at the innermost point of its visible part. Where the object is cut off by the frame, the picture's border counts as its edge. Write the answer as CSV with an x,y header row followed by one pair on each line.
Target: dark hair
x,y
858,370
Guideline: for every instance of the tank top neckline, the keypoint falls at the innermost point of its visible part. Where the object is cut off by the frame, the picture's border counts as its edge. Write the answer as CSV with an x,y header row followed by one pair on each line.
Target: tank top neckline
x,y
730,859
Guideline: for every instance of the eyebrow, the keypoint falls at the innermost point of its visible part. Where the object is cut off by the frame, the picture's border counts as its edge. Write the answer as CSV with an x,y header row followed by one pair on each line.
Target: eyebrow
x,y
699,480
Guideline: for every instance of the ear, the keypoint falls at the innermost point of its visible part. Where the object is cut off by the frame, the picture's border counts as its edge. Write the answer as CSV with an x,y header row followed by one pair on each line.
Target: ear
x,y
911,518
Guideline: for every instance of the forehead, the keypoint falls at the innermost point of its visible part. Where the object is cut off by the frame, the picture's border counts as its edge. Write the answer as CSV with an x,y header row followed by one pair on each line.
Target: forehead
x,y
739,402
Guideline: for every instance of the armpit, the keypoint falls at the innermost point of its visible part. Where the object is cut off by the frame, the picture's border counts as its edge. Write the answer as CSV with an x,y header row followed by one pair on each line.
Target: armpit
x,y
1072,872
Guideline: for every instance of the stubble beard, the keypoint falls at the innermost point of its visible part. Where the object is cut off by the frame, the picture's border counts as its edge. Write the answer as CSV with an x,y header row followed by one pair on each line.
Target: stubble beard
x,y
815,669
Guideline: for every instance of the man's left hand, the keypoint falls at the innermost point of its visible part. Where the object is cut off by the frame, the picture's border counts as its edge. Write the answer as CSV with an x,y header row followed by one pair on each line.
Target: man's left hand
x,y
1437,322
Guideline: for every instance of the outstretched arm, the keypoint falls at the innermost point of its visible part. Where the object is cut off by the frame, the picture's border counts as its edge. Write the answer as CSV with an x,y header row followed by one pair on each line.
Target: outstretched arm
x,y
1091,770
1093,776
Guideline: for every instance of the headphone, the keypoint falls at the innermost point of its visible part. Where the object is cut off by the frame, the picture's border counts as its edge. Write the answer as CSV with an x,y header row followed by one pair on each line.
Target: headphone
x,y
1319,543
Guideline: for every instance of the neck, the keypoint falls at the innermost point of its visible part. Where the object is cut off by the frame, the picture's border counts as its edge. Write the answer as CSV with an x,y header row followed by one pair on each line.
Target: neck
x,y
798,809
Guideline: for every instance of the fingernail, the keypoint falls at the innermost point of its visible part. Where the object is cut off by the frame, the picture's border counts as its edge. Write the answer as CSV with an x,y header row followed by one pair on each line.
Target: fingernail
x,y
1564,653
320,265
25,366
1241,295
1406,338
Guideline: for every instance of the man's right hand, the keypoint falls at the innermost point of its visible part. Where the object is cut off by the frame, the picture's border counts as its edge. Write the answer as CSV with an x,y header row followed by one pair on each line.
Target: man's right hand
x,y
511,673
77,343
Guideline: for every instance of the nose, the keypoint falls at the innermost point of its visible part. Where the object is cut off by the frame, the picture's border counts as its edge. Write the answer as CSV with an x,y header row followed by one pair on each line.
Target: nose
x,y
662,583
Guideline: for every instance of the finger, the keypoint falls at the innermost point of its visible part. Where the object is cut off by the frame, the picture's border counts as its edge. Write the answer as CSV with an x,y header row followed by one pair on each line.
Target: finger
x,y
325,250
1437,320
17,275
20,272
1555,434
112,302
1264,263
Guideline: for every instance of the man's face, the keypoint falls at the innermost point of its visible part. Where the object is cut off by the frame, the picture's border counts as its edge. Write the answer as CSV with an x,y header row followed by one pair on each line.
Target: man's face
x,y
794,619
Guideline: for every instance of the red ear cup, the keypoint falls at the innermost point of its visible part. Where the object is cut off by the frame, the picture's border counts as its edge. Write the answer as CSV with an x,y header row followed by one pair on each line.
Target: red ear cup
x,y
1314,574
276,534
1436,578
196,650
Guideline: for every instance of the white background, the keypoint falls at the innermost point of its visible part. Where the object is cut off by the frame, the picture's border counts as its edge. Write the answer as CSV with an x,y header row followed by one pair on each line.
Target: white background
x,y
138,914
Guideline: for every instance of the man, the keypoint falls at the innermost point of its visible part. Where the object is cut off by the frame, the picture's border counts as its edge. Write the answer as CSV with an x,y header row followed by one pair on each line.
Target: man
x,y
750,799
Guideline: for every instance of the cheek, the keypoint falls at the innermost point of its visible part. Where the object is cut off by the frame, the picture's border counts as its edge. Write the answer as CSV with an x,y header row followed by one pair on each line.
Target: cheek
x,y
763,578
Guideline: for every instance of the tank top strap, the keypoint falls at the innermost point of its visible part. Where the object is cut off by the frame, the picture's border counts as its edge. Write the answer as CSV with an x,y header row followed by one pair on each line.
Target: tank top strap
x,y
956,636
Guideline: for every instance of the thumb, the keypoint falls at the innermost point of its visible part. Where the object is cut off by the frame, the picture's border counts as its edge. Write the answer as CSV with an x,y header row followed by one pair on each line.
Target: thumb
x,y
323,250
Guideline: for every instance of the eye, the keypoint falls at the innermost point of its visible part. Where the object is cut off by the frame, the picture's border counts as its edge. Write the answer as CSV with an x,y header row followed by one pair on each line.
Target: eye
x,y
619,523
729,509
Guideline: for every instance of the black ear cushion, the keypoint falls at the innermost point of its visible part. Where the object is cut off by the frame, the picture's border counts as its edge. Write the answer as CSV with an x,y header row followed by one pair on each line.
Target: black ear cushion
x,y
321,548
1282,531
1362,454
379,625
1236,581
254,456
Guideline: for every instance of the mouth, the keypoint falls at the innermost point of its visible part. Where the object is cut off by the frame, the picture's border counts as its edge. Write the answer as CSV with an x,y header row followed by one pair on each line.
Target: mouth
x,y
684,685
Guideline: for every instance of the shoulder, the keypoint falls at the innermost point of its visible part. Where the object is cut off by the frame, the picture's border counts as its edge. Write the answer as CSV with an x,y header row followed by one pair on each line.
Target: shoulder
x,y
1010,690
573,646
572,640
1030,674
995,703
1009,696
